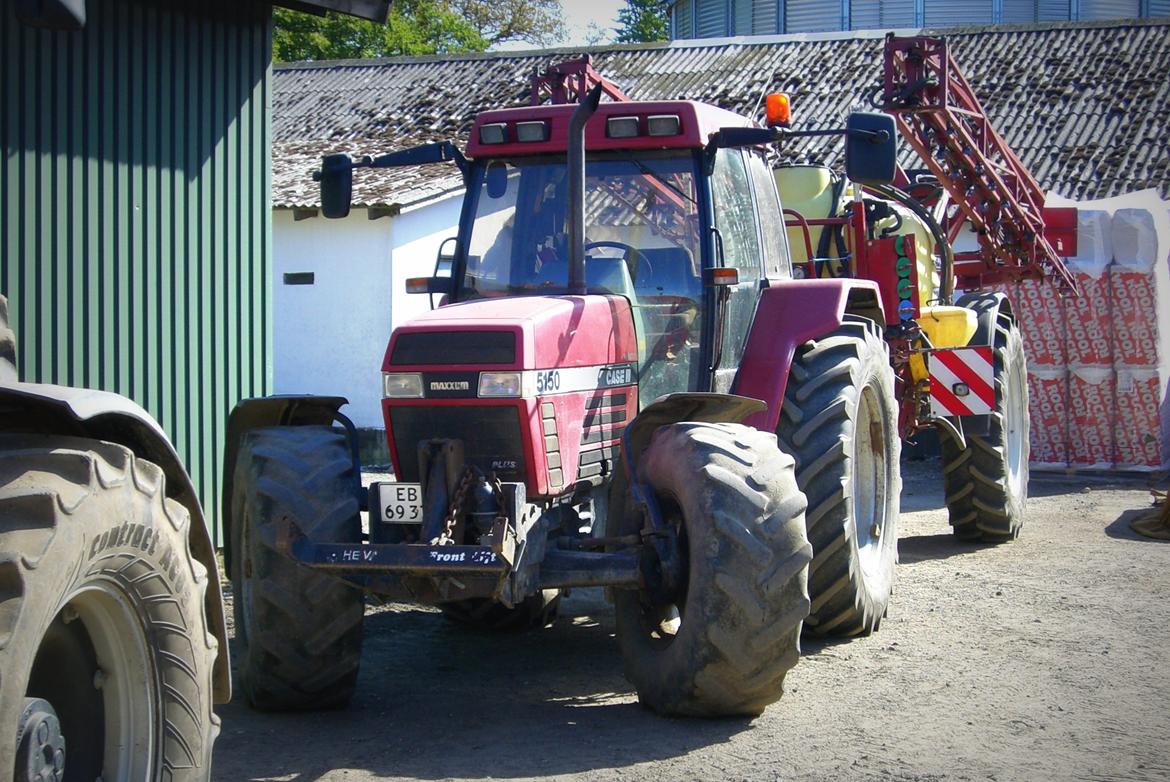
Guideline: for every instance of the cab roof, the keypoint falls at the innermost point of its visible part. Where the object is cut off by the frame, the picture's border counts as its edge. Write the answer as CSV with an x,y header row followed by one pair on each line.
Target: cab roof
x,y
697,121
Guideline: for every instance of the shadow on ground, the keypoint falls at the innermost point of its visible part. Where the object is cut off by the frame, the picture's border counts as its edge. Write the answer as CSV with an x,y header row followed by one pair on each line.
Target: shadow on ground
x,y
1120,529
944,545
436,700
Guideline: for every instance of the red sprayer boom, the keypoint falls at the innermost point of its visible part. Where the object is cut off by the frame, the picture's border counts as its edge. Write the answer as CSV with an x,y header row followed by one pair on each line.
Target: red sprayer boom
x,y
939,116
570,81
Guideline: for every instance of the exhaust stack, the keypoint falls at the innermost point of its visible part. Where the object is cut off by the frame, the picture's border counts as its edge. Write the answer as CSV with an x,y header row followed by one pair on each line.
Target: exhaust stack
x,y
581,115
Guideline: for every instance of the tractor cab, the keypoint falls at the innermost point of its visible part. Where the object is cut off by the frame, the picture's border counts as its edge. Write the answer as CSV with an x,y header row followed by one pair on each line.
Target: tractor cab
x,y
652,190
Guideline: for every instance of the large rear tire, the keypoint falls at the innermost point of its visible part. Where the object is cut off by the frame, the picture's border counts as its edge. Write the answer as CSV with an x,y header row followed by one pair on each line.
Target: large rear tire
x,y
987,481
105,650
298,630
533,613
726,645
839,421
7,345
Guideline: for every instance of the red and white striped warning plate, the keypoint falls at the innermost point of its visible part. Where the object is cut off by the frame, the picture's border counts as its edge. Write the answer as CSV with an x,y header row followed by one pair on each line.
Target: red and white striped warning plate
x,y
962,381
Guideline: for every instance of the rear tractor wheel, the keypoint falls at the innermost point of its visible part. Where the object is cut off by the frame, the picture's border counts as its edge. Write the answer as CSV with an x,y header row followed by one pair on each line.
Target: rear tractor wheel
x,y
105,650
839,420
987,481
724,645
7,346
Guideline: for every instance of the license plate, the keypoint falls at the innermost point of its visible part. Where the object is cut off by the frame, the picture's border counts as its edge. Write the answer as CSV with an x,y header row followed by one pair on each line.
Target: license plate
x,y
399,503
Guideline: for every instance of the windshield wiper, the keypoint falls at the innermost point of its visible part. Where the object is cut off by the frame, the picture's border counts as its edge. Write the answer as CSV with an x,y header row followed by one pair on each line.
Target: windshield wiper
x,y
660,179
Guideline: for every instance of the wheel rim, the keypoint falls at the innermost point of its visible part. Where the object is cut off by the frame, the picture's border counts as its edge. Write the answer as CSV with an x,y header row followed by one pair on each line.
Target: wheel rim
x,y
869,482
1014,421
95,669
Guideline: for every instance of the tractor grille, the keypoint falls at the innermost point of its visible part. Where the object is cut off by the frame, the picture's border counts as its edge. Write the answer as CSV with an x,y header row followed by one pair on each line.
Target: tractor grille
x,y
454,347
491,437
605,419
601,422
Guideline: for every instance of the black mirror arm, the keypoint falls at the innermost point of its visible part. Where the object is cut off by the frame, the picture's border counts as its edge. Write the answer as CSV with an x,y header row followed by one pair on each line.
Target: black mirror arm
x,y
437,152
748,137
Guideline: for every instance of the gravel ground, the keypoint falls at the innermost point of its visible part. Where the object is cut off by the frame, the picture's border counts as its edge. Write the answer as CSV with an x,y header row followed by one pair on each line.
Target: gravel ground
x,y
1048,658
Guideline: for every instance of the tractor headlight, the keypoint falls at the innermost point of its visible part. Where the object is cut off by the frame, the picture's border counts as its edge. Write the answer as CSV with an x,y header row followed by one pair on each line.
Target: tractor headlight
x,y
402,385
499,384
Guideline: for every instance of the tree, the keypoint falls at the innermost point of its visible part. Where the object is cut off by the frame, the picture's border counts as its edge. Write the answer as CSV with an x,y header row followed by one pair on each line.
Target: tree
x,y
538,22
643,21
414,27
596,35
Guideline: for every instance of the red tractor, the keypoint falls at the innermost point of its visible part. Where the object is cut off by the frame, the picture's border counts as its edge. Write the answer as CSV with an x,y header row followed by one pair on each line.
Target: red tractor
x,y
634,382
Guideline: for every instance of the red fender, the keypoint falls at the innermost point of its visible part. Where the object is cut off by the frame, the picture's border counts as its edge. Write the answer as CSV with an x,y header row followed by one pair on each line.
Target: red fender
x,y
788,314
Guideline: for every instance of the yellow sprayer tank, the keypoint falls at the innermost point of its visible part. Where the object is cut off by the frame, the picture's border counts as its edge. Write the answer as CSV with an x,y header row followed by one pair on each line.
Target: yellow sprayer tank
x,y
809,190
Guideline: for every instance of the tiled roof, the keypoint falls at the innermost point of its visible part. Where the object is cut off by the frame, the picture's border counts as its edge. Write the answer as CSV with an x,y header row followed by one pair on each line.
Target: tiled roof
x,y
1085,105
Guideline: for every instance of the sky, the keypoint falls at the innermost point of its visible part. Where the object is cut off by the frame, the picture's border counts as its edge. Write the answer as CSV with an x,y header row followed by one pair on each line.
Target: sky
x,y
579,13
578,16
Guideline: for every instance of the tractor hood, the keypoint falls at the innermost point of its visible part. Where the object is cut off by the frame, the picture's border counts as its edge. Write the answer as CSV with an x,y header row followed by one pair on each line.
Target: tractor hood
x,y
537,388
529,332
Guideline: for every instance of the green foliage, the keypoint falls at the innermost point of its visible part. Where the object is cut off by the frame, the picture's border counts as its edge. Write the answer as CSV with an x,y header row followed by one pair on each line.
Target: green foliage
x,y
538,22
415,27
643,21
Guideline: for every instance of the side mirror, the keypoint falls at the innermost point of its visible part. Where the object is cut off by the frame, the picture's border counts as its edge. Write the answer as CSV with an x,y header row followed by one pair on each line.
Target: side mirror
x,y
336,178
871,149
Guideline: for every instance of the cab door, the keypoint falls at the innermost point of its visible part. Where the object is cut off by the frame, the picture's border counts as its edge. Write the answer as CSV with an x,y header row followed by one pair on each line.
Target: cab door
x,y
737,245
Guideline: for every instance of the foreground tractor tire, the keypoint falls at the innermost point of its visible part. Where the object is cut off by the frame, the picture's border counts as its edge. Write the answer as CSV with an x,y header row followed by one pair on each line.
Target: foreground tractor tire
x,y
839,421
299,631
987,482
535,612
724,646
7,345
105,651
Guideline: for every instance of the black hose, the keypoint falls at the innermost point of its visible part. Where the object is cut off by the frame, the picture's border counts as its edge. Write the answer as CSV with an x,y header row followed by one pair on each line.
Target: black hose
x,y
947,283
833,233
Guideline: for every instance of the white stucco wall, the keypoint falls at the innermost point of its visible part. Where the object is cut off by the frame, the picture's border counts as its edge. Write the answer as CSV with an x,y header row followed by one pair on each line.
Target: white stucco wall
x,y
330,337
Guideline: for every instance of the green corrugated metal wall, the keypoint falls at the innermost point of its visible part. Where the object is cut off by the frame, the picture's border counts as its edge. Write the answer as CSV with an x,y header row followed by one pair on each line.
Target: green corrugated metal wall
x,y
134,210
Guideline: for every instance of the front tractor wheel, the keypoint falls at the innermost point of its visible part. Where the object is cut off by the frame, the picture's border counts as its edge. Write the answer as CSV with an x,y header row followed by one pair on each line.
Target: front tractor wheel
x,y
987,481
298,631
839,420
724,645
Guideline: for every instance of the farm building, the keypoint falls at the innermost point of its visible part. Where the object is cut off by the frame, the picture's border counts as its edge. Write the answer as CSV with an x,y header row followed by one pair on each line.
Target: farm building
x,y
720,18
1083,104
135,242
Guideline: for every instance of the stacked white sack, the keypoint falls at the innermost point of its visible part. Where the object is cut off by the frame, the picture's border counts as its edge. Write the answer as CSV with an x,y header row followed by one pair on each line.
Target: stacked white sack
x,y
1048,414
1141,312
1087,317
1092,393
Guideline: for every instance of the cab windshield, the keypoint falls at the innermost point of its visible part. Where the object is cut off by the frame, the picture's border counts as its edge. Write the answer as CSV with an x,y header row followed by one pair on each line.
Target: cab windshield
x,y
641,242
